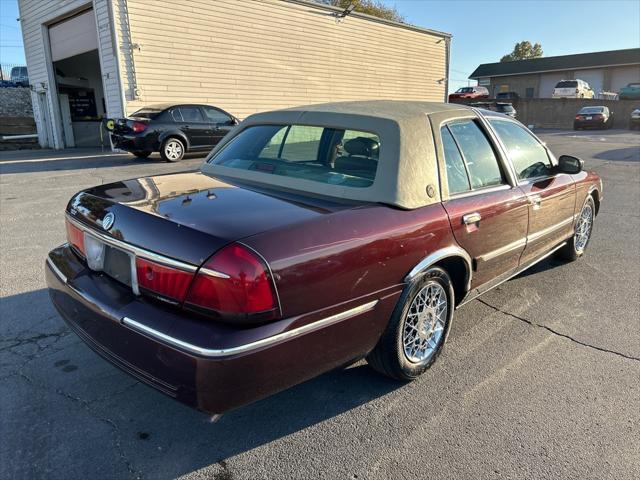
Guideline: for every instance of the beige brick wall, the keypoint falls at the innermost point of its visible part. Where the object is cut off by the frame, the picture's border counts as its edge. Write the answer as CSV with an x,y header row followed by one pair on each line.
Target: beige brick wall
x,y
253,55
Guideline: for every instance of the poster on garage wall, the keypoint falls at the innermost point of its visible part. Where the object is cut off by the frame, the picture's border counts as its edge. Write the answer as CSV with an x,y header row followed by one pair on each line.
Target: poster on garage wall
x,y
82,104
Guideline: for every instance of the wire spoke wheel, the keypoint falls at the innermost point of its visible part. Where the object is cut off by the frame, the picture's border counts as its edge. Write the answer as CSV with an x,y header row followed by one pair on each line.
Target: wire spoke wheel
x,y
424,324
583,227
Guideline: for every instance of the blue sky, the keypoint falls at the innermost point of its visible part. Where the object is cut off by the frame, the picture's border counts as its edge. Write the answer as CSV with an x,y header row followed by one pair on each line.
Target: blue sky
x,y
482,31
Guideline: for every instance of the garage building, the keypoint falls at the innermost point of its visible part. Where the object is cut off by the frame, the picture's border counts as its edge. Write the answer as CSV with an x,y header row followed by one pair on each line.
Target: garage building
x,y
536,78
90,60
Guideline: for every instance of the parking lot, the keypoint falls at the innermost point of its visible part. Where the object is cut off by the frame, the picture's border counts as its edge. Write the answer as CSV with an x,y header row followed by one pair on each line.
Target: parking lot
x,y
540,377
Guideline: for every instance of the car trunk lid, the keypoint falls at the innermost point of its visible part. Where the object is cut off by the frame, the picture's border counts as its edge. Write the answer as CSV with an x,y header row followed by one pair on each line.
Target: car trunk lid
x,y
188,216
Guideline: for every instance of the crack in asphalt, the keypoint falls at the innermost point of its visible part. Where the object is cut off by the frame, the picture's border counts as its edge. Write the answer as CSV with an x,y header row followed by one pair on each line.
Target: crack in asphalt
x,y
20,341
87,406
559,334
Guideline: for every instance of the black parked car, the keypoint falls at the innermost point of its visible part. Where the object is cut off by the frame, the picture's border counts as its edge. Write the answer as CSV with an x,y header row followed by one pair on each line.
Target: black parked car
x,y
171,130
593,117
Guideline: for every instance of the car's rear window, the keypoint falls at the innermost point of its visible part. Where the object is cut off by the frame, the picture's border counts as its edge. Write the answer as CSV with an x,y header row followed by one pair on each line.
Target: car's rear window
x,y
146,113
320,154
567,84
591,110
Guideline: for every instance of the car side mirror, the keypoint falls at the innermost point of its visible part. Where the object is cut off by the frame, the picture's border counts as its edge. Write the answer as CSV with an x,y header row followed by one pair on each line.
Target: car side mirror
x,y
233,121
570,165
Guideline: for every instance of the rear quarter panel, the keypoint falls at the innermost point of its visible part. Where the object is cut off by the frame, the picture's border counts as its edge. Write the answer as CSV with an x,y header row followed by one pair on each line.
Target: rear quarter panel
x,y
351,256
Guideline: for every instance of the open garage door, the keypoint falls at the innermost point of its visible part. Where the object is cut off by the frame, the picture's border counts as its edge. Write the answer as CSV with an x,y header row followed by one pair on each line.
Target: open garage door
x,y
73,36
80,91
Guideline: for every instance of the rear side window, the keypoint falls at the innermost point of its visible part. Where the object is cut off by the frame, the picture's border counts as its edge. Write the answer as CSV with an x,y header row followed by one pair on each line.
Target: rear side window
x,y
326,155
478,154
457,178
527,155
190,114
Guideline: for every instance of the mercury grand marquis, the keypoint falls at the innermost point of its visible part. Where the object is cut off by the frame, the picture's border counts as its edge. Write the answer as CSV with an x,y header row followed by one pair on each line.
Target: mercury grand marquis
x,y
311,238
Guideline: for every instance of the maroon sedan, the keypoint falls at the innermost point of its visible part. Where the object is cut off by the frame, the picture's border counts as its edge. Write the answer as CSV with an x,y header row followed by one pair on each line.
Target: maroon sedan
x,y
311,238
469,92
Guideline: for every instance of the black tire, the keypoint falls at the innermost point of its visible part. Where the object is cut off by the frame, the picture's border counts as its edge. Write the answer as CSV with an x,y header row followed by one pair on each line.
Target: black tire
x,y
576,247
389,357
172,149
142,154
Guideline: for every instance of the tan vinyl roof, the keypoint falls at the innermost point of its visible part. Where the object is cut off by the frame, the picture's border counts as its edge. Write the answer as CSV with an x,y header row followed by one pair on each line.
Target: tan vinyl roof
x,y
407,161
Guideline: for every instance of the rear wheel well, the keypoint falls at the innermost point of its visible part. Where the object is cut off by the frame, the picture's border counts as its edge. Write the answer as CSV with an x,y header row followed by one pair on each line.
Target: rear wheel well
x,y
456,267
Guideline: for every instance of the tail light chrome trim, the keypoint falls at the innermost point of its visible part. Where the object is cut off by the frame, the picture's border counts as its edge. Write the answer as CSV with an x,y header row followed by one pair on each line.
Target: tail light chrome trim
x,y
131,249
273,279
265,342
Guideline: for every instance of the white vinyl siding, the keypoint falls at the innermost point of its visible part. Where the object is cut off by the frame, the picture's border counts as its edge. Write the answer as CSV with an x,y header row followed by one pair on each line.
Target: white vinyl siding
x,y
35,16
259,55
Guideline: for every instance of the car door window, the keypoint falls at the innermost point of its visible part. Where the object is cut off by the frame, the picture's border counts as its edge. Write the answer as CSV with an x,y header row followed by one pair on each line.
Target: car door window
x,y
216,116
457,178
302,143
478,154
176,115
191,114
528,156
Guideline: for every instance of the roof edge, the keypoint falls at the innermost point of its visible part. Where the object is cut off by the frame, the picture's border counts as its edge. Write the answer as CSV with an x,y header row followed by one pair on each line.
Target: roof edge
x,y
571,69
371,18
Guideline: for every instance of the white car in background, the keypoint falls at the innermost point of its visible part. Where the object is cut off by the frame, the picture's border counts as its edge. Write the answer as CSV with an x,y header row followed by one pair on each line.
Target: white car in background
x,y
572,89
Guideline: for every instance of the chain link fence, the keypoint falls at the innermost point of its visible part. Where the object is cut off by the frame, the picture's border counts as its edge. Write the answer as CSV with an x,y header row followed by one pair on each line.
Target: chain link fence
x,y
13,75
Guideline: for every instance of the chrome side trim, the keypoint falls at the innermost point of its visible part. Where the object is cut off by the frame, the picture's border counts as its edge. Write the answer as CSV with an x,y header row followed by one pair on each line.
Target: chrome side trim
x,y
514,274
265,342
213,273
56,270
546,231
452,251
503,250
137,251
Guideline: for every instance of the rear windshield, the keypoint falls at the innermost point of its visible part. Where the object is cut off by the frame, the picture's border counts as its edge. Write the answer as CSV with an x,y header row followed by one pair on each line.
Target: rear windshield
x,y
591,110
567,84
147,113
326,155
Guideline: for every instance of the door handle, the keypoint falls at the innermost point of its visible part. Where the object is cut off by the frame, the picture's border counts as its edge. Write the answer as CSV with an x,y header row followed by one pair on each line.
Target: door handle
x,y
471,218
535,201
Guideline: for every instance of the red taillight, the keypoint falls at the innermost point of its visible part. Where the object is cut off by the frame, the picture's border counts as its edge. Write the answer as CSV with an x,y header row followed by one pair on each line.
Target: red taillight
x,y
75,236
166,281
235,281
138,127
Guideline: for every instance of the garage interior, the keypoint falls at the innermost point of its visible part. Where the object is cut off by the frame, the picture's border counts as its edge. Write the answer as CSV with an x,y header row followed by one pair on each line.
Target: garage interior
x,y
79,88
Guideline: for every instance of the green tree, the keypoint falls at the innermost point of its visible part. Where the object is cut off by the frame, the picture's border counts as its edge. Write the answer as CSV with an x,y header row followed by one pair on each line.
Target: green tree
x,y
371,7
523,51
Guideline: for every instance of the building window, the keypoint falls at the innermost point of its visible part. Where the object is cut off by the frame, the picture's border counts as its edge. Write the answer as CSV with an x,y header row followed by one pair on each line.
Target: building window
x,y
529,92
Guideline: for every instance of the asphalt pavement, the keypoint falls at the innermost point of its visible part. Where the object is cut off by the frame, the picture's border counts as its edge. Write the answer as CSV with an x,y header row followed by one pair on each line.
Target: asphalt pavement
x,y
540,377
